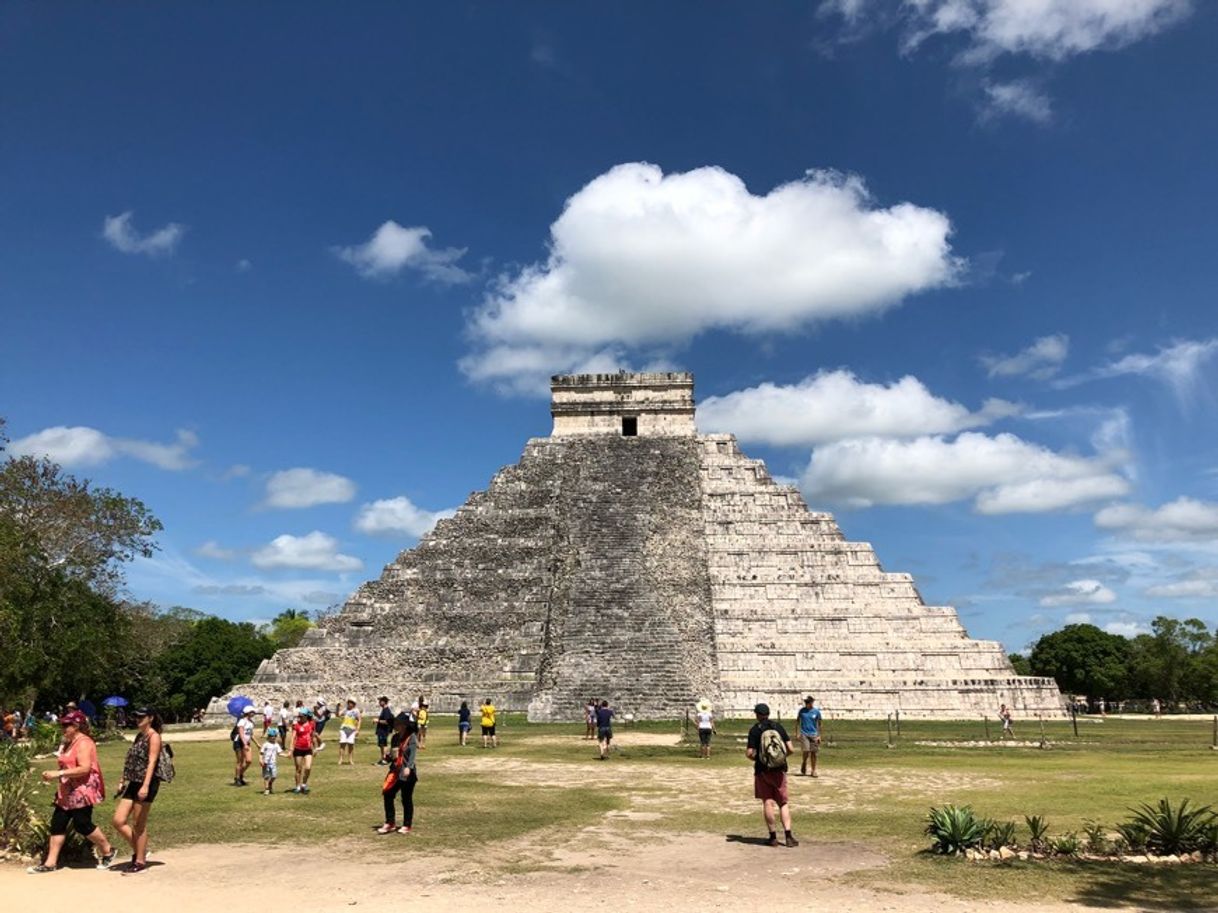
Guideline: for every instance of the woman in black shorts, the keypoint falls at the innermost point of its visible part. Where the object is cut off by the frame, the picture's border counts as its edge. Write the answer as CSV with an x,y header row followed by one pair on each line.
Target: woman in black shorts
x,y
142,774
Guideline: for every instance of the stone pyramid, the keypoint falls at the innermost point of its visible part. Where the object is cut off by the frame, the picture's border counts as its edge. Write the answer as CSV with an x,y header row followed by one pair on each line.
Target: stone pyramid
x,y
627,557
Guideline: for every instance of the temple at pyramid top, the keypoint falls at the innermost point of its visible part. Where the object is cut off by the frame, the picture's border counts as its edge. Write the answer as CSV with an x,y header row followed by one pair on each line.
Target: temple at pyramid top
x,y
657,404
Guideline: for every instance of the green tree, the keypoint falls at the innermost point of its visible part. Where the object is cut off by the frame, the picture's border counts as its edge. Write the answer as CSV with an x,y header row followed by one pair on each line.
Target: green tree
x,y
85,532
1082,659
62,639
1020,664
289,626
214,655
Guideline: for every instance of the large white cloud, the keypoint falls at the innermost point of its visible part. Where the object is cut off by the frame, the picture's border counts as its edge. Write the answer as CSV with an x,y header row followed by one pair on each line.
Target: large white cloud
x,y
1040,360
1050,29
303,487
118,231
1001,473
79,445
391,516
643,259
1080,592
835,405
313,551
393,248
1181,520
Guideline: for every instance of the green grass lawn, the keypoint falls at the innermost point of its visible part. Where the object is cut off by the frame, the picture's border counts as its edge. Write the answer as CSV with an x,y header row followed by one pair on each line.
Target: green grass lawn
x,y
545,777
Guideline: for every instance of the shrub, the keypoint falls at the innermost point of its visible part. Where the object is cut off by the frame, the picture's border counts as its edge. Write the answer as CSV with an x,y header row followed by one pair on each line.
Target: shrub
x,y
954,829
1000,834
1172,830
1038,828
1096,838
1133,836
1067,844
17,785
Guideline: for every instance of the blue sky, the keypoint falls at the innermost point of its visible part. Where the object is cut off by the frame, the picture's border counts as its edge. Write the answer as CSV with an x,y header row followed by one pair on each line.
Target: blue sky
x,y
295,276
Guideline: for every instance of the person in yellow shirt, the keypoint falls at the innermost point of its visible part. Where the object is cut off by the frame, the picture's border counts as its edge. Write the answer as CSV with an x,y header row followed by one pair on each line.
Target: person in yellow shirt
x,y
422,721
348,732
489,739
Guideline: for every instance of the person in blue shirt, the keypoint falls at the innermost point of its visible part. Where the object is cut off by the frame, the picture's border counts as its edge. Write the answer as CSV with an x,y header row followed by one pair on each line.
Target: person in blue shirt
x,y
604,728
809,735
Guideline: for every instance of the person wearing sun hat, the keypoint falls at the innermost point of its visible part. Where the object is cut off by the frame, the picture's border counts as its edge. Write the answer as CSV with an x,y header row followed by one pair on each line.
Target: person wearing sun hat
x,y
706,727
304,743
146,766
243,744
80,787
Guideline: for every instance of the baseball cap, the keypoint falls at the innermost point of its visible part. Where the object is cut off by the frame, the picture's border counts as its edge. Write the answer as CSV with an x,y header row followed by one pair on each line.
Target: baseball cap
x,y
248,708
72,718
141,711
762,710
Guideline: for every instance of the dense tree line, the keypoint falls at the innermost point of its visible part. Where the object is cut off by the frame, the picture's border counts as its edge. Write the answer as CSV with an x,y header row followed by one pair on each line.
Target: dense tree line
x,y
66,633
1177,662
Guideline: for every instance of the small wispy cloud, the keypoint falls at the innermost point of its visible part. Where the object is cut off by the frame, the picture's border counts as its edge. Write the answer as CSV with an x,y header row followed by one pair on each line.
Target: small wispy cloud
x,y
394,248
1018,98
122,236
1180,365
79,445
1040,361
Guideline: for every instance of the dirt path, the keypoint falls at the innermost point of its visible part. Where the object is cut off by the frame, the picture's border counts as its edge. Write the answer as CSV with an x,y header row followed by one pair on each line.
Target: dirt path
x,y
595,869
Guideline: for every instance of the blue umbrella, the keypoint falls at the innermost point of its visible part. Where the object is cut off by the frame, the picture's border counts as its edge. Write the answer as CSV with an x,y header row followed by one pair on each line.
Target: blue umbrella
x,y
114,701
87,708
237,704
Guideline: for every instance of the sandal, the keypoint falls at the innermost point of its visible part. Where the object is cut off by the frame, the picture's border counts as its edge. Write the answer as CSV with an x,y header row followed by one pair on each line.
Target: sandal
x,y
40,868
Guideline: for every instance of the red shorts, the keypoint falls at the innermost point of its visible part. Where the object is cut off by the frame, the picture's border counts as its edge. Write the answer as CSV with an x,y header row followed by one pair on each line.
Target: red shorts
x,y
771,784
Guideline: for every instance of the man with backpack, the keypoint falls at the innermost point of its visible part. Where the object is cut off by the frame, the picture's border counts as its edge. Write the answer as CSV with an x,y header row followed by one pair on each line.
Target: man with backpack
x,y
768,747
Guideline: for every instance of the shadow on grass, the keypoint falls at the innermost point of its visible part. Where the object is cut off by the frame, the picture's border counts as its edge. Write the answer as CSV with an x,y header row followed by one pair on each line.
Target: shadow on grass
x,y
1191,887
750,841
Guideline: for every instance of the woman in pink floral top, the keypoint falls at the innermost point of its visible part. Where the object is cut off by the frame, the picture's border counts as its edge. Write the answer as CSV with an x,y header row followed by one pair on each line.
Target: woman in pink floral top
x,y
80,788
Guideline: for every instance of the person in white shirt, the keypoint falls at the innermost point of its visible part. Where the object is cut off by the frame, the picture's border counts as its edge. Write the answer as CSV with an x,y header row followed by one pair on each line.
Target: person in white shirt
x,y
706,728
243,745
268,716
270,760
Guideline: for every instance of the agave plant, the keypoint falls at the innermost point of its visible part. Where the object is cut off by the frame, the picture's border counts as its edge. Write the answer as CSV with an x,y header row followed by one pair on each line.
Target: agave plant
x,y
1173,830
1038,828
17,785
1096,837
1133,836
954,829
1000,834
1067,844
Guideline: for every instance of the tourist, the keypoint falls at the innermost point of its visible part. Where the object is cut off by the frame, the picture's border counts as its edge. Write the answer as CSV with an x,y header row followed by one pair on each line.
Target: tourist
x,y
463,724
243,745
768,748
268,716
147,765
80,787
489,738
270,761
590,719
1004,714
604,729
321,716
809,736
384,724
706,728
402,777
1156,708
348,731
287,716
424,713
304,743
